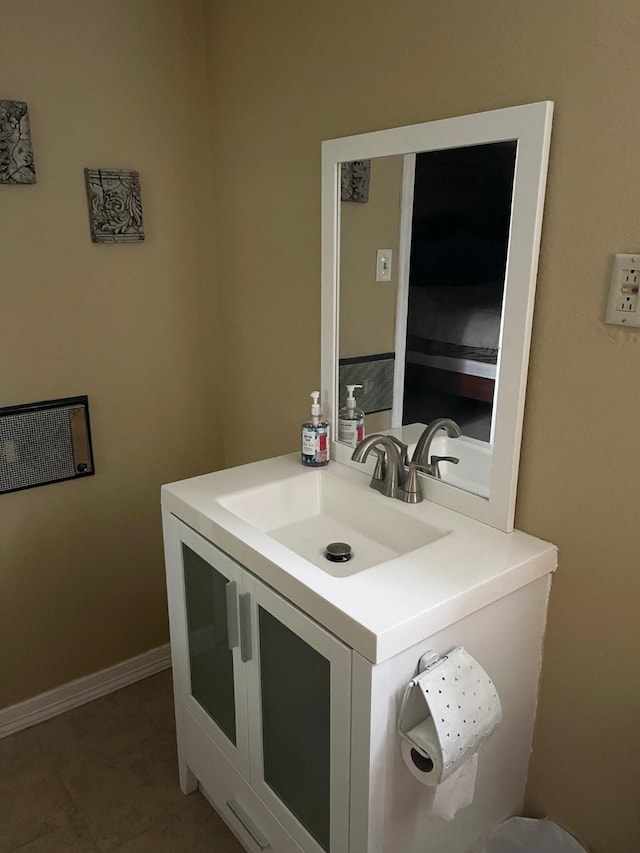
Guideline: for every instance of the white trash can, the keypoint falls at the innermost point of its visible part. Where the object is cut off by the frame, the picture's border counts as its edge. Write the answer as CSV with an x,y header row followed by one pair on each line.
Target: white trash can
x,y
524,835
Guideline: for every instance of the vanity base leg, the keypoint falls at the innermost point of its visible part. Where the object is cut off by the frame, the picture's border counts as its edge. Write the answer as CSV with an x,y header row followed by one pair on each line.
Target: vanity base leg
x,y
188,780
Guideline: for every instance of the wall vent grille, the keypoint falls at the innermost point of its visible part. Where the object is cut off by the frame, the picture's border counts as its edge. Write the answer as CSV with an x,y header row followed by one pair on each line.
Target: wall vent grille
x,y
375,373
44,442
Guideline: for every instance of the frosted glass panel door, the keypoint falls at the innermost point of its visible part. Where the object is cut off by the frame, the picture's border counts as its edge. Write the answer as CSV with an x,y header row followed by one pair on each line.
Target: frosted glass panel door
x,y
299,690
295,692
205,589
210,656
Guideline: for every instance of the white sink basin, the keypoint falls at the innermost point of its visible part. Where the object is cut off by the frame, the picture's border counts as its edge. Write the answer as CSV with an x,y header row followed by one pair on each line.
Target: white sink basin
x,y
310,510
473,471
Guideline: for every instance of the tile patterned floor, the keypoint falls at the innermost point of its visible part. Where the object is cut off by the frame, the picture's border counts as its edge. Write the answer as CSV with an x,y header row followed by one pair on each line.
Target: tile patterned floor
x,y
103,777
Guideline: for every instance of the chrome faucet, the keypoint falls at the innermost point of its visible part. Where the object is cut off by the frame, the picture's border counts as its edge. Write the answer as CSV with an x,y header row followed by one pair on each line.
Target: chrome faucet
x,y
390,463
380,472
394,475
421,453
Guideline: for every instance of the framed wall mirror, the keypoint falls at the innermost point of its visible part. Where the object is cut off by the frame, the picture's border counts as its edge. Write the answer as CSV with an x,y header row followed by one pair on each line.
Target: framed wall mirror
x,y
430,238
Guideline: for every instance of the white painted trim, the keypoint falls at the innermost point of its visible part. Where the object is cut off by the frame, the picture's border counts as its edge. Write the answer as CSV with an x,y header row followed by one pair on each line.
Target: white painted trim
x,y
402,296
14,718
530,125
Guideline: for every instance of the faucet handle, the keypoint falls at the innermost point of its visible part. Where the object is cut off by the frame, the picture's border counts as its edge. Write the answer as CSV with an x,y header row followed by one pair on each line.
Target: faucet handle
x,y
434,467
412,490
380,470
389,463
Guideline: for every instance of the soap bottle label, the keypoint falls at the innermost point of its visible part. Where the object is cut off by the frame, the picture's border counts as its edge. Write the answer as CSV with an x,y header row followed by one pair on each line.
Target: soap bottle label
x,y
308,442
315,445
350,432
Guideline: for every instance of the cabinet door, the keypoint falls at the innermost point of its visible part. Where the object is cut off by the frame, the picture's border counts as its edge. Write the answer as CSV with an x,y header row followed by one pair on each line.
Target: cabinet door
x,y
209,676
299,691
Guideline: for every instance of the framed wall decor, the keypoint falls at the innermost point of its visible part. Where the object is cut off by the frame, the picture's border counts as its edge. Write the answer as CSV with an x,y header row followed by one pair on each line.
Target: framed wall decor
x,y
355,176
115,205
16,150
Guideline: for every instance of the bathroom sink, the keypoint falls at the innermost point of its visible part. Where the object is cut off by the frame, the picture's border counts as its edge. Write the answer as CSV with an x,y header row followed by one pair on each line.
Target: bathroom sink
x,y
310,510
473,471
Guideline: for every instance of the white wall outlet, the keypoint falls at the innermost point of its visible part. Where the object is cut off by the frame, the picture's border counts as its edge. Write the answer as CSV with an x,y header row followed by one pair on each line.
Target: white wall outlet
x,y
383,264
622,308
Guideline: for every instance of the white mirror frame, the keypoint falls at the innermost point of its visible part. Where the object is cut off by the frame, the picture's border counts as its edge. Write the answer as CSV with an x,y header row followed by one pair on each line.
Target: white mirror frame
x,y
530,125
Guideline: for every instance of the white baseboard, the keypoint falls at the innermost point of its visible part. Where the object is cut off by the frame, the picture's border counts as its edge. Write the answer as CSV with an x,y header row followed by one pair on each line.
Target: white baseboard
x,y
74,693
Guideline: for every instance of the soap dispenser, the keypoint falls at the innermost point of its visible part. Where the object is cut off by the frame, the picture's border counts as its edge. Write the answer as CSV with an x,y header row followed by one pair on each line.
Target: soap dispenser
x,y
351,420
315,437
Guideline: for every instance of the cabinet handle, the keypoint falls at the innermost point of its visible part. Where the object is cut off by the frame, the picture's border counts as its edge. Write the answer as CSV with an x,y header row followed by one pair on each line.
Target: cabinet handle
x,y
232,614
237,810
245,626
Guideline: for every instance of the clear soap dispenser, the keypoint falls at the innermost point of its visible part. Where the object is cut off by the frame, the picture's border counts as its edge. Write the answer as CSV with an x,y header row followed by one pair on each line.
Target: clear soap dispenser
x,y
351,420
315,436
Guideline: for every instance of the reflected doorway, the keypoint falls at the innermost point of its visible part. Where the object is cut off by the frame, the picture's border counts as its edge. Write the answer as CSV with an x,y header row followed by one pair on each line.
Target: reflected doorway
x,y
461,213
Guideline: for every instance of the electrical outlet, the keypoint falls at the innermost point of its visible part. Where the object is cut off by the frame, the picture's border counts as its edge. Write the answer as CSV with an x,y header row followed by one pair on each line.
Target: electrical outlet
x,y
622,308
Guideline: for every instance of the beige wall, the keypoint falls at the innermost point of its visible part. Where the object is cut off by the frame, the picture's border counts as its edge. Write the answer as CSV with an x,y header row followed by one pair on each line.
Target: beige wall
x,y
287,75
367,306
119,85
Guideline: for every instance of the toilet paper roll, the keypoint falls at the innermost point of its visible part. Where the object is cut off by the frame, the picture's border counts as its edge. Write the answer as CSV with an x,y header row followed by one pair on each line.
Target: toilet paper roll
x,y
423,755
447,797
464,708
456,792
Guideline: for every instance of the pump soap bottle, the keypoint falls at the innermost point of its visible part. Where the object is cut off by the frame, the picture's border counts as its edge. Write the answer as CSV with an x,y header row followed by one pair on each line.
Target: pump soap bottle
x,y
315,437
351,420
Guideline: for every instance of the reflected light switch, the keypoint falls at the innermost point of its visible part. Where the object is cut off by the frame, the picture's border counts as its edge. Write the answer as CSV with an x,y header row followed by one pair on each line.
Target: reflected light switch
x,y
383,264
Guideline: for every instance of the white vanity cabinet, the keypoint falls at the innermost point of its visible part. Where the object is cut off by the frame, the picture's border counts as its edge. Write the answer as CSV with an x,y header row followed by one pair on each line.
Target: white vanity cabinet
x,y
263,702
288,678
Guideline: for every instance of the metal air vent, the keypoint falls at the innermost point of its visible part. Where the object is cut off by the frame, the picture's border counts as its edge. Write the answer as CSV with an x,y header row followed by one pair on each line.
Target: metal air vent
x,y
44,442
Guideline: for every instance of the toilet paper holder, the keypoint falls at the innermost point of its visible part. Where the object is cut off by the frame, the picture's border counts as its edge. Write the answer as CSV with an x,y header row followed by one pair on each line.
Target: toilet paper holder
x,y
447,710
406,720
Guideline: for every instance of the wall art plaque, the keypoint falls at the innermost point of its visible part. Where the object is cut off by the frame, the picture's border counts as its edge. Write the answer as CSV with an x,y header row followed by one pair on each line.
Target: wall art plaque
x,y
115,205
16,151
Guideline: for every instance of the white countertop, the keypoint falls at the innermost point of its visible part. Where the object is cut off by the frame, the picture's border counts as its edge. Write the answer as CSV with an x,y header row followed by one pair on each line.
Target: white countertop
x,y
384,609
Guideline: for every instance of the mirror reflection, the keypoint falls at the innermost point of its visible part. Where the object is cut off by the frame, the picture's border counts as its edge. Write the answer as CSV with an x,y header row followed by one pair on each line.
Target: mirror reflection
x,y
429,257
423,249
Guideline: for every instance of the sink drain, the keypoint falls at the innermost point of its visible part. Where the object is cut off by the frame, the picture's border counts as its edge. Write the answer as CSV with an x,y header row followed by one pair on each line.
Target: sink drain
x,y
338,552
